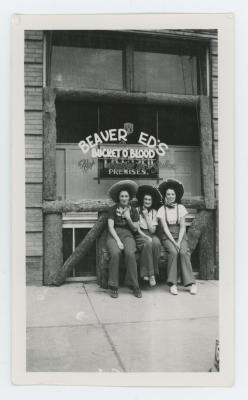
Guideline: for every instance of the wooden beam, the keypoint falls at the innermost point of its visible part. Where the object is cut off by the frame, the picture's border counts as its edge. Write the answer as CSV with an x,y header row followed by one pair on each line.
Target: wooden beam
x,y
49,148
62,206
80,251
53,244
207,161
106,96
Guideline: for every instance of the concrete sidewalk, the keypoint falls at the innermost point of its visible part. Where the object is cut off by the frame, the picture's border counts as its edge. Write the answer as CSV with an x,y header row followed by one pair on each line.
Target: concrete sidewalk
x,y
78,327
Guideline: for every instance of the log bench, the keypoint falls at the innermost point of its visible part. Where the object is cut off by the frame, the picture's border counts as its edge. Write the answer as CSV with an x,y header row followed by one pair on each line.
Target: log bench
x,y
103,256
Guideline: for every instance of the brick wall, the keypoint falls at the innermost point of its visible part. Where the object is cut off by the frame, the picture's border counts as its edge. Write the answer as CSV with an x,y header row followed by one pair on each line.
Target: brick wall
x,y
33,154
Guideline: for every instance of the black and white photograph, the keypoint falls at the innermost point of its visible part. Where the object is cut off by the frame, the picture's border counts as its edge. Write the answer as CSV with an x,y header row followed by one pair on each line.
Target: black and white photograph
x,y
122,201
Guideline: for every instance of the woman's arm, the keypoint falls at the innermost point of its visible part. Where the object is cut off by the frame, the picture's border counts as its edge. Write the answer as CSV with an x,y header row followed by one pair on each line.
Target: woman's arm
x,y
133,226
143,234
182,230
112,231
150,225
167,232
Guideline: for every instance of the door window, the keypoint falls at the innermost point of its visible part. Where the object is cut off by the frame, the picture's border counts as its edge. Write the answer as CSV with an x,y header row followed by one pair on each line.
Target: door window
x,y
71,238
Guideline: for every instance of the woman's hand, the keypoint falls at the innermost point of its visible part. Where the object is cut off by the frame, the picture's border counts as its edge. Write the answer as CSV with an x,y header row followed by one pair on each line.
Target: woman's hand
x,y
145,212
120,244
126,214
149,238
177,246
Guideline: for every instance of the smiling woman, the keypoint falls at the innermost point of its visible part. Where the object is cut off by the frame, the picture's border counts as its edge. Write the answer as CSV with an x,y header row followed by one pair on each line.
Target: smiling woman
x,y
122,224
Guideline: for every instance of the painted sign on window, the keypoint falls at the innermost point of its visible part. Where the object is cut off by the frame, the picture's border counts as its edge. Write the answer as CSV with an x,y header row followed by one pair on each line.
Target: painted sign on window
x,y
132,163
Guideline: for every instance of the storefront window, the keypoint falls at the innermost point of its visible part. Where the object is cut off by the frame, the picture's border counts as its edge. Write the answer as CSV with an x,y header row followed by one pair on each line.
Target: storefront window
x,y
179,131
77,171
132,63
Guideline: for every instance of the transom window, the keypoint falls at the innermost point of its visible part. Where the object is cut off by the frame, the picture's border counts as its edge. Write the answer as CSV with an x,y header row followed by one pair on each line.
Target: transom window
x,y
99,60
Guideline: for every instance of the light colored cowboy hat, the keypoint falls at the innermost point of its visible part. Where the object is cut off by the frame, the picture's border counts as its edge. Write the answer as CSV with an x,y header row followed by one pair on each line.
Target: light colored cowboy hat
x,y
174,184
152,191
128,185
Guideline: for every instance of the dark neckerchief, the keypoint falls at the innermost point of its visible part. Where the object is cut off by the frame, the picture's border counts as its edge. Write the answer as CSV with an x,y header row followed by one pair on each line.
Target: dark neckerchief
x,y
120,210
148,209
170,205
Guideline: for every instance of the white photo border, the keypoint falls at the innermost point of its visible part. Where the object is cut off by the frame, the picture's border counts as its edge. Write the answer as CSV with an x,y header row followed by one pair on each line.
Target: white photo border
x,y
225,25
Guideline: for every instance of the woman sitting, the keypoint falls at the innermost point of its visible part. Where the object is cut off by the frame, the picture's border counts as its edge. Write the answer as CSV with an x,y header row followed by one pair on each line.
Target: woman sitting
x,y
122,223
147,242
174,239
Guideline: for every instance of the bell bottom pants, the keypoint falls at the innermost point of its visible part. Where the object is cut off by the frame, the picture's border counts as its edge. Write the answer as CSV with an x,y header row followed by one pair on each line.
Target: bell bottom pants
x,y
186,267
149,254
128,241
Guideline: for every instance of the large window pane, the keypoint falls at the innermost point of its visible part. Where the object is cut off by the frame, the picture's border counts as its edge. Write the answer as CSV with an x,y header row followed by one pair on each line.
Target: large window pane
x,y
75,121
168,73
136,118
78,67
178,126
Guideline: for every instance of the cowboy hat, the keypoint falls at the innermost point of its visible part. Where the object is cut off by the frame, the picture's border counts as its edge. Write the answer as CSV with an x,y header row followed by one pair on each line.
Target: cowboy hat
x,y
130,186
174,184
152,191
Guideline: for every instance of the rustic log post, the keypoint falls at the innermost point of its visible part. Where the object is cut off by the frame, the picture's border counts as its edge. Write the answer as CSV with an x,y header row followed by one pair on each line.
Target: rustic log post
x,y
217,272
196,229
80,251
102,266
207,161
202,231
49,150
53,244
206,249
